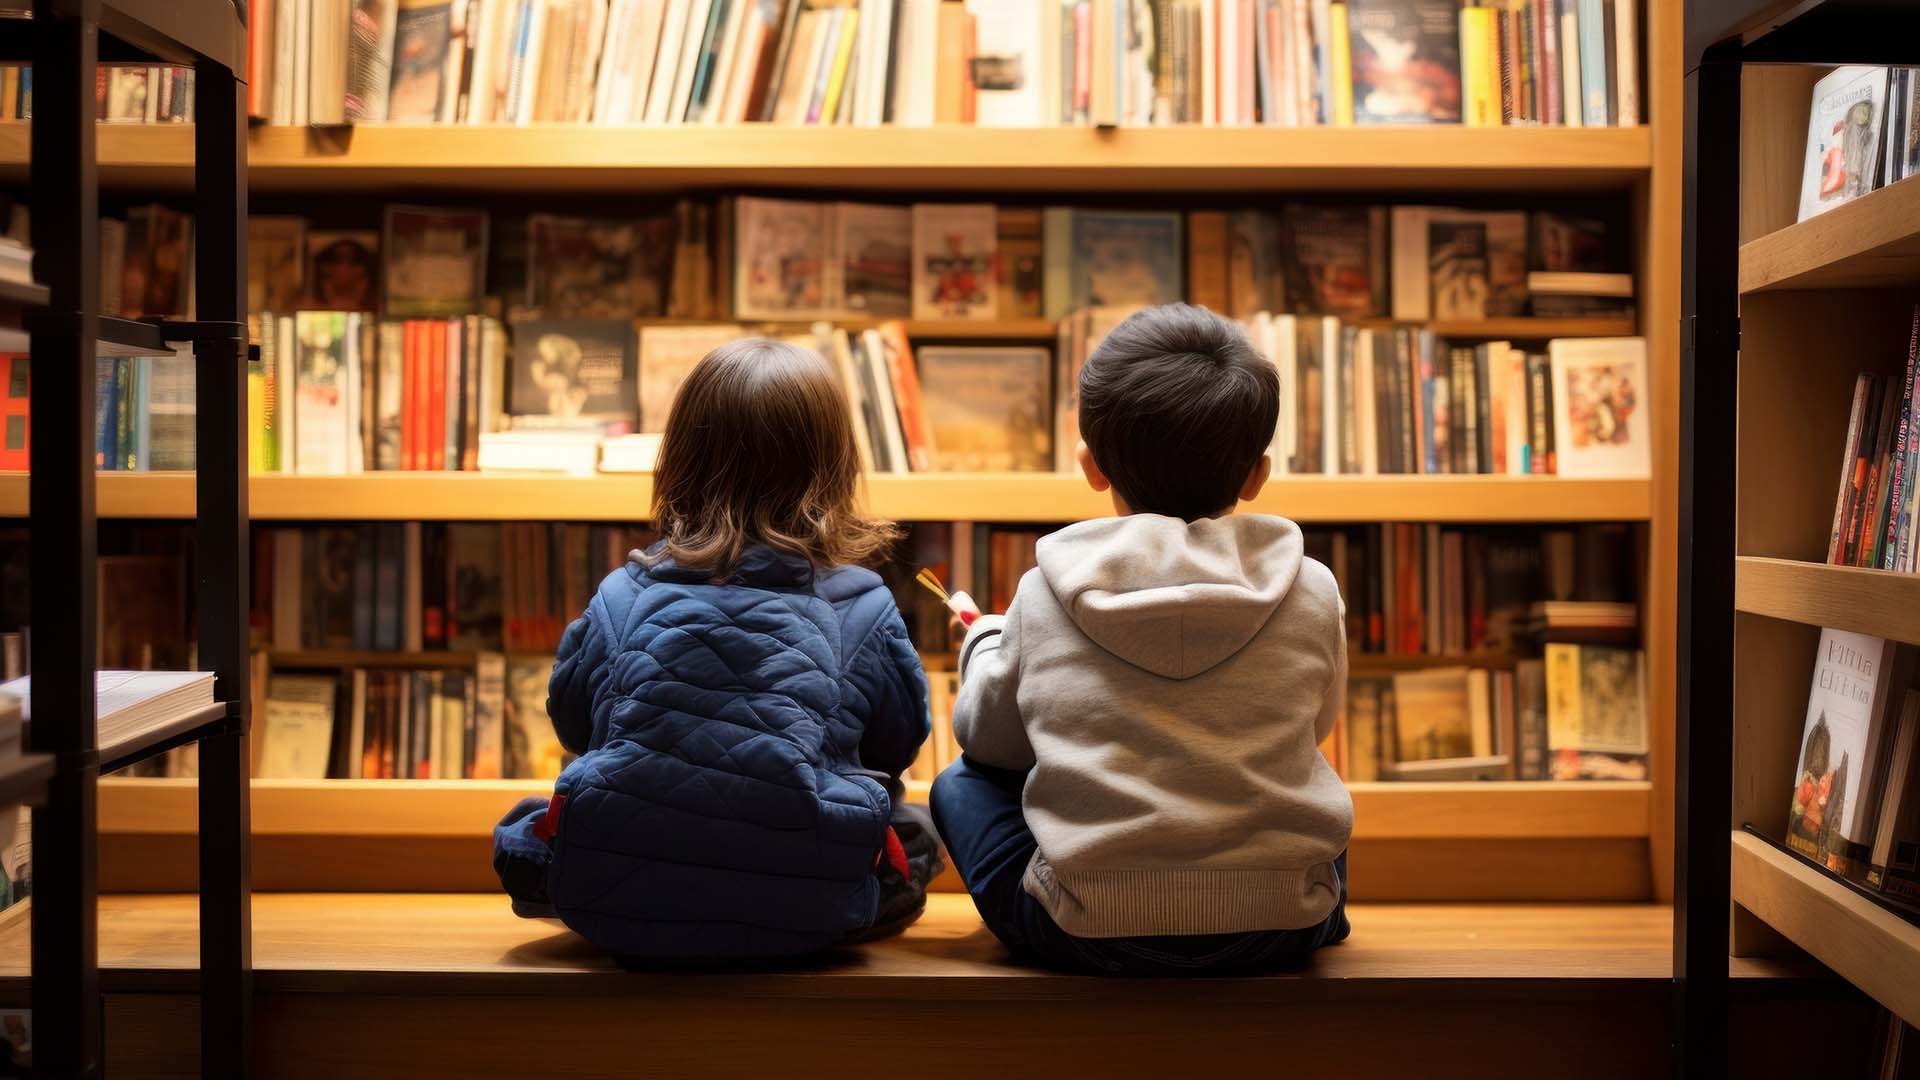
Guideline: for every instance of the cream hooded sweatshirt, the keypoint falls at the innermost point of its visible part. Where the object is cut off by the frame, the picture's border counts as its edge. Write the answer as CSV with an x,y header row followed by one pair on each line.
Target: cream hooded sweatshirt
x,y
1168,683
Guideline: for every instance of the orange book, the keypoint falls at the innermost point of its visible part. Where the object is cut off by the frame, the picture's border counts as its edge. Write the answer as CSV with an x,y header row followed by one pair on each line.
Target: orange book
x,y
435,362
969,90
906,396
412,409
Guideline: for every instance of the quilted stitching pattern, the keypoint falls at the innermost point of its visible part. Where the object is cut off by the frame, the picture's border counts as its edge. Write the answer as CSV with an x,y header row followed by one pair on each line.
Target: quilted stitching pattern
x,y
721,805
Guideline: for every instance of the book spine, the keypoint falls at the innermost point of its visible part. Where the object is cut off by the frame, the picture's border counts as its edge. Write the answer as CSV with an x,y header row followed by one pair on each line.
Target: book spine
x,y
1898,463
1593,62
435,361
1503,21
1865,474
1546,23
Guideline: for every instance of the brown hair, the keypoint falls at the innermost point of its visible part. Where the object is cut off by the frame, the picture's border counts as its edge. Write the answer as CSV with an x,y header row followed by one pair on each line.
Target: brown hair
x,y
759,450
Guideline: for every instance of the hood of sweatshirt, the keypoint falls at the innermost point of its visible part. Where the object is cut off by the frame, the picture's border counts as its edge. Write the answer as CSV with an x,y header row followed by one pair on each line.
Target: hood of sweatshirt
x,y
1170,596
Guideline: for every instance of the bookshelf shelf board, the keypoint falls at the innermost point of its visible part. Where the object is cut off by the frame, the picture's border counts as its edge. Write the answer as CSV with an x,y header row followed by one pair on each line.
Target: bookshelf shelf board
x,y
1873,241
994,497
1864,943
1877,602
462,808
950,159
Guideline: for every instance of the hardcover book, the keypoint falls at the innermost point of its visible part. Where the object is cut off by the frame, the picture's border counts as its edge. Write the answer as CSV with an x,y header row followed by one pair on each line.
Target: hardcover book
x,y
1335,260
581,268
276,262
1457,251
988,409
1843,138
1599,395
1120,258
343,269
954,252
575,372
436,261
876,251
1406,61
1851,708
667,355
784,264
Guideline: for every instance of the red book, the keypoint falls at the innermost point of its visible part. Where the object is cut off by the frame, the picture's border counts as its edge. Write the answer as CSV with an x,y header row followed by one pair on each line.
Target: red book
x,y
436,425
413,407
16,427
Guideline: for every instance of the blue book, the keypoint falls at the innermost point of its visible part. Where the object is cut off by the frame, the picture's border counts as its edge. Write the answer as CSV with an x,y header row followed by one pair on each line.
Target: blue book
x,y
106,411
709,55
1593,62
517,68
1125,257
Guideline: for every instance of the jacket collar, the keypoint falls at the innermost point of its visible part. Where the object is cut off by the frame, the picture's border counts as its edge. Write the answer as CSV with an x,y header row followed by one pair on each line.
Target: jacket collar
x,y
759,567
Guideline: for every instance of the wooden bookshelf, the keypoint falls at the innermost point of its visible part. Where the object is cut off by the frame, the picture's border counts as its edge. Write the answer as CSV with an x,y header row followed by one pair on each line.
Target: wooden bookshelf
x,y
951,159
1869,946
1542,810
1871,242
1874,602
994,497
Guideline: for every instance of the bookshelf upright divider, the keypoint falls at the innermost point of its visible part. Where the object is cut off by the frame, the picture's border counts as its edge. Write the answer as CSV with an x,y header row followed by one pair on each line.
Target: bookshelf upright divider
x,y
1779,316
66,332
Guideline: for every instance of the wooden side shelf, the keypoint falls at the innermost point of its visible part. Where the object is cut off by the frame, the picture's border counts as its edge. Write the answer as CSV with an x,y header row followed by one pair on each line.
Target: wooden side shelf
x,y
951,159
1001,497
1866,944
459,808
1871,242
1876,602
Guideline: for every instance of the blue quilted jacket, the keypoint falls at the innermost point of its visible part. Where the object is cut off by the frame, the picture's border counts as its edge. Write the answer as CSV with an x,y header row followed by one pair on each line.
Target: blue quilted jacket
x,y
740,748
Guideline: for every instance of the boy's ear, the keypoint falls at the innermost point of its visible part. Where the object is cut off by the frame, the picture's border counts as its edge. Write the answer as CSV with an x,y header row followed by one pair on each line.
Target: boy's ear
x,y
1096,479
1257,478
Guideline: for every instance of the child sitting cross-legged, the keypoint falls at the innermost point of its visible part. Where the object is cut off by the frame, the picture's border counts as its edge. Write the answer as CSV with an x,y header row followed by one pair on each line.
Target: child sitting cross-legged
x,y
742,695
1141,790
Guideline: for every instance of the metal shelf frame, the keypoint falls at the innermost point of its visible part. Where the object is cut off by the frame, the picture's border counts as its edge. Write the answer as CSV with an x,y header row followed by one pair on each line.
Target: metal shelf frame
x,y
66,37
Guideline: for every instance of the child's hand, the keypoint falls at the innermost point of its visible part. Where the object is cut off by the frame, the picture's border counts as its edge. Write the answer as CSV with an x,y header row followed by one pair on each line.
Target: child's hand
x,y
962,612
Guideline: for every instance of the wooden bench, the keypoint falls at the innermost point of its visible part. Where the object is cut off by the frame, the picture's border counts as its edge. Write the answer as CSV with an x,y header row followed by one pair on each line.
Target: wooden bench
x,y
422,985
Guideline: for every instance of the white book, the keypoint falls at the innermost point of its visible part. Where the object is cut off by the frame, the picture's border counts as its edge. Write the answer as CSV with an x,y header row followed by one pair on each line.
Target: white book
x,y
666,67
1009,54
856,396
1515,374
454,69
1286,357
1232,58
302,58
591,46
877,30
1626,50
356,446
637,75
690,48
1330,417
296,733
884,405
285,37
526,90
1052,74
486,25
1600,406
1843,138
1367,420
286,381
130,703
1210,61
1570,64
613,49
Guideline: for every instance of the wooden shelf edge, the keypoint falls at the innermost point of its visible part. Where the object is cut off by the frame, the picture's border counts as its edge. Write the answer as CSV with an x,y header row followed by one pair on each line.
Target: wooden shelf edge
x,y
1878,602
461,808
1873,240
1045,498
1865,944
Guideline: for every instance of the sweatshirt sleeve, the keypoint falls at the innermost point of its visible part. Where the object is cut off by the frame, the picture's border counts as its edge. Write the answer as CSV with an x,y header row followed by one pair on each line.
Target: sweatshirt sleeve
x,y
577,672
986,717
1337,686
886,673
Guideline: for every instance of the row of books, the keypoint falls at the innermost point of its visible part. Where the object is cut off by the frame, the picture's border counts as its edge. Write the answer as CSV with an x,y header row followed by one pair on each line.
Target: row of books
x,y
482,722
994,63
1874,511
1863,132
122,94
1855,805
417,586
1578,712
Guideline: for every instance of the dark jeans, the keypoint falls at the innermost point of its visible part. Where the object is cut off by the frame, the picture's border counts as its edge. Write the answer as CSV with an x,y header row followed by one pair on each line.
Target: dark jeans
x,y
977,810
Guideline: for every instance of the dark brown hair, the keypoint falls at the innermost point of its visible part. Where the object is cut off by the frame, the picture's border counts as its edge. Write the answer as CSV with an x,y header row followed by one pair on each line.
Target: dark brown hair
x,y
759,450
1177,407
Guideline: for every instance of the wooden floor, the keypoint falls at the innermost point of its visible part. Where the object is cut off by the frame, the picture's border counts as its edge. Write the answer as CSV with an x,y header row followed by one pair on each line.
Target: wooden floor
x,y
454,985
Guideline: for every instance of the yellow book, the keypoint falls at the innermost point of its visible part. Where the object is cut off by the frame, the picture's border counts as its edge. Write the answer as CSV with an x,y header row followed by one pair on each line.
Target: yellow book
x,y
1342,49
830,105
1478,28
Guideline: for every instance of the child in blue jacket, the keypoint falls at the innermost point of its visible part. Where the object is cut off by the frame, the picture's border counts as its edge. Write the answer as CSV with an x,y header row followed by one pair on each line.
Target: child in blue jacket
x,y
742,695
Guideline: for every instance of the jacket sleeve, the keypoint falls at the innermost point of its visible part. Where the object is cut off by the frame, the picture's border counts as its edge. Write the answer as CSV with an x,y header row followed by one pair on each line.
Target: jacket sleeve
x,y
886,674
578,669
986,717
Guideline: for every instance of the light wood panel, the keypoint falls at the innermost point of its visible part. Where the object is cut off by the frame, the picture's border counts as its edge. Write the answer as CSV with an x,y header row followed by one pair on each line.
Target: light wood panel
x,y
455,808
1871,242
1867,945
394,160
1775,101
1002,497
1876,602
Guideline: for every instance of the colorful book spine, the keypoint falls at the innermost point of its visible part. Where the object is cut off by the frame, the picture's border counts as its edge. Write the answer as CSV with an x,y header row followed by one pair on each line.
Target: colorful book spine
x,y
1593,62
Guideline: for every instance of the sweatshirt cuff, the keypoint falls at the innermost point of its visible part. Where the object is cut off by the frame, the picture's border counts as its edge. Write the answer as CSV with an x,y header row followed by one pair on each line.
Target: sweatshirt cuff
x,y
985,631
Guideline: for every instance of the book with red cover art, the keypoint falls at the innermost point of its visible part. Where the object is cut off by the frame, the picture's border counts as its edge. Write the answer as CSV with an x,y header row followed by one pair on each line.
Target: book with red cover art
x,y
906,396
15,418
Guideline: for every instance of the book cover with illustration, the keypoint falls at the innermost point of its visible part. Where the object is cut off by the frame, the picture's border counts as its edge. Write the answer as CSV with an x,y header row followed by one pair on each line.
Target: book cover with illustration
x,y
876,252
1124,257
604,268
1406,61
954,256
276,262
343,269
1433,715
1413,240
1596,712
784,265
1843,138
667,354
1335,260
1850,709
572,372
988,409
423,30
436,261
533,751
1457,254
1599,407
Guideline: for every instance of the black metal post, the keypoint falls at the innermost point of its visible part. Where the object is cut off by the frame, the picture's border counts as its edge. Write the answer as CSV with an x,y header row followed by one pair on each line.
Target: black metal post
x,y
226,886
1709,367
66,981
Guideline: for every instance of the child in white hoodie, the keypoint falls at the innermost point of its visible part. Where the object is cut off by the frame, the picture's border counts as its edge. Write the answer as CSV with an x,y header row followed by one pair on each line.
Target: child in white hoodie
x,y
1141,790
